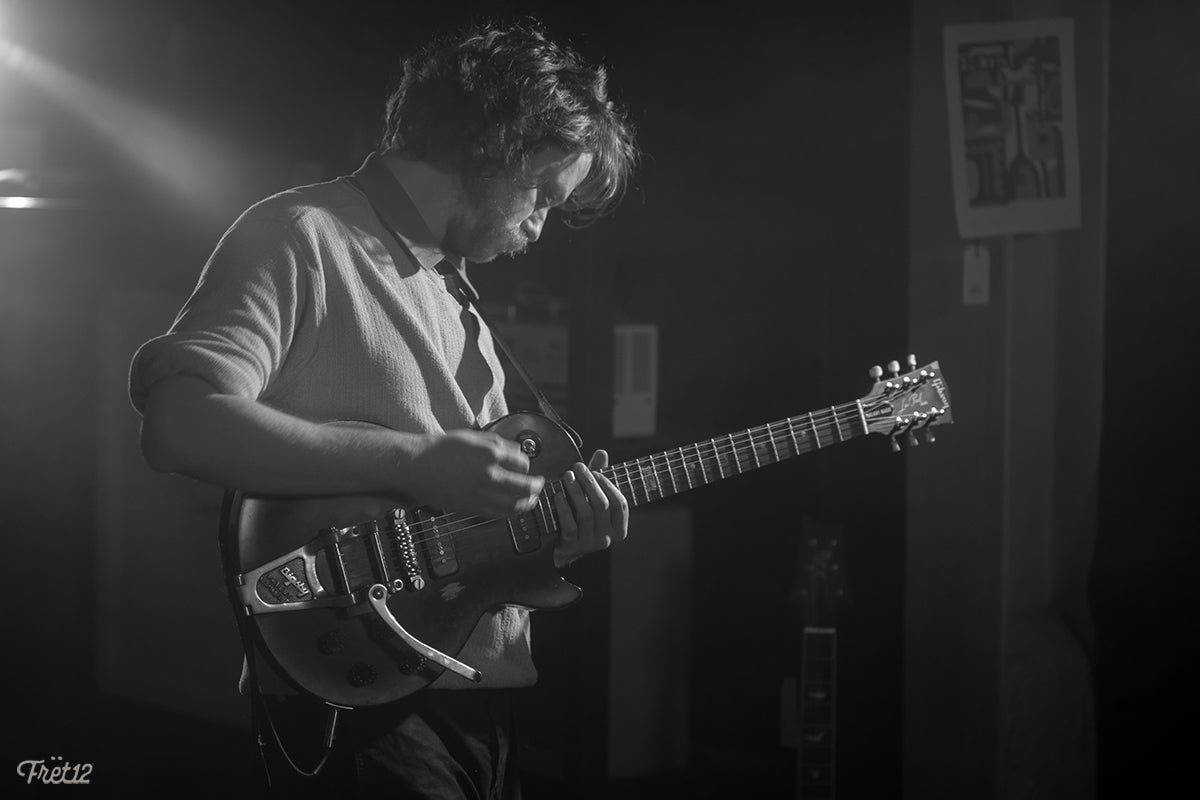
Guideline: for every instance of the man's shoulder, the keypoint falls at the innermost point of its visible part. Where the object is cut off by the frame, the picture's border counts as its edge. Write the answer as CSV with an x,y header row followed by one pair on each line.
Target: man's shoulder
x,y
305,210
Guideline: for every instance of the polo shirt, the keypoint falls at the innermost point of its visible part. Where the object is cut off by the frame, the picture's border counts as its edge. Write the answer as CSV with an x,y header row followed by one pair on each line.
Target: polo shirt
x,y
317,302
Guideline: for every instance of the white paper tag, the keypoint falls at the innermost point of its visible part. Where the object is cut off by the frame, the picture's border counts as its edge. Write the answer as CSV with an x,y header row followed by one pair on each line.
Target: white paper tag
x,y
977,271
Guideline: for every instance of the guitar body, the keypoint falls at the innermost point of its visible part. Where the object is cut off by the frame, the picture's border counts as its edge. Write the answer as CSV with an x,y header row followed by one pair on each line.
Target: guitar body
x,y
345,653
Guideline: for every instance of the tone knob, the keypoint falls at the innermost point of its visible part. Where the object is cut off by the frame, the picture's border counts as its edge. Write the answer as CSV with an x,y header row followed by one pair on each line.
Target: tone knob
x,y
361,674
412,663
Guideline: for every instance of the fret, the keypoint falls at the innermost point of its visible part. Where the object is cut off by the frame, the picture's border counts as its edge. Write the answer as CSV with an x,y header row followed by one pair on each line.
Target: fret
x,y
670,474
862,416
720,469
614,474
753,448
813,424
687,473
732,446
792,432
623,483
650,475
639,479
774,448
700,461
649,478
629,482
837,424
815,736
818,696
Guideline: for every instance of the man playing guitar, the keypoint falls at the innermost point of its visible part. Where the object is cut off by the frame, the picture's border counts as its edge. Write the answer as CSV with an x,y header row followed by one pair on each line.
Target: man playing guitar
x,y
343,302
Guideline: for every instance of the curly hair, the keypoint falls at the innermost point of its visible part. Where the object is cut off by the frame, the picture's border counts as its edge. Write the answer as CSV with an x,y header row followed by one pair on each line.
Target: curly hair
x,y
481,103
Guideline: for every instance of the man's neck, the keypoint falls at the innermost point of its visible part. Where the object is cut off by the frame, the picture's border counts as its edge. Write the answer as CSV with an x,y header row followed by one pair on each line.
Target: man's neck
x,y
433,193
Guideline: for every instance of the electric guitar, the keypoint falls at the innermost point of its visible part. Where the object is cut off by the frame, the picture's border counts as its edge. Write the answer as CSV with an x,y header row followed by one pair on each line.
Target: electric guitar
x,y
364,600
816,757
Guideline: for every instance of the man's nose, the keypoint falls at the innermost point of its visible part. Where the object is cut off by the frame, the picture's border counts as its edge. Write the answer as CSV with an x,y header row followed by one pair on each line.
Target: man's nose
x,y
532,226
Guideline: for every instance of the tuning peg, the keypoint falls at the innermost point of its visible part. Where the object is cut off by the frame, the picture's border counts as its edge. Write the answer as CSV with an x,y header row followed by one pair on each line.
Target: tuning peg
x,y
929,437
894,367
895,444
912,439
912,361
876,372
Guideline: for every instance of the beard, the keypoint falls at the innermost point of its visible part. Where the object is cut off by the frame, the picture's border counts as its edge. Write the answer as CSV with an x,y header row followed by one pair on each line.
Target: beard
x,y
480,228
481,238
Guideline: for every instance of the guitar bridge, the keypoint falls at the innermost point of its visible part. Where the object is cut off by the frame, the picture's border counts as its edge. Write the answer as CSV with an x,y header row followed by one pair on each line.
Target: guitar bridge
x,y
354,558
406,551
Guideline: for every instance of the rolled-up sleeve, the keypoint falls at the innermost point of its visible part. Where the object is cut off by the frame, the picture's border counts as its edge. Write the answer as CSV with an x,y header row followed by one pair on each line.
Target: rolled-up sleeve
x,y
235,330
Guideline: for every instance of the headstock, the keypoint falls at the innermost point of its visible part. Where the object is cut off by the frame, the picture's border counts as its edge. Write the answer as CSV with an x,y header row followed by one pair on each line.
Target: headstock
x,y
904,404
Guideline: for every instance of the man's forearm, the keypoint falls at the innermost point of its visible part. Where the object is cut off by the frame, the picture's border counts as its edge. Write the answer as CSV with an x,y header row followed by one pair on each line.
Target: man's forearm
x,y
236,442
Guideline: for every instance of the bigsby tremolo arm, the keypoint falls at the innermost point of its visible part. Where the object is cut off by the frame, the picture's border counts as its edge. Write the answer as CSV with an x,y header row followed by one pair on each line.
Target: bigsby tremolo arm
x,y
378,595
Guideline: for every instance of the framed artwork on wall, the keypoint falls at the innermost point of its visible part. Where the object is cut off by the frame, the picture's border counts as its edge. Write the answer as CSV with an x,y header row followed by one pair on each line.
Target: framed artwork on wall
x,y
1010,90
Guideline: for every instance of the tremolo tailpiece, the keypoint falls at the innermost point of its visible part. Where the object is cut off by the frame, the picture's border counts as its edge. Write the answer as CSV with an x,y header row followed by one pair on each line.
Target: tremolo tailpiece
x,y
377,595
291,582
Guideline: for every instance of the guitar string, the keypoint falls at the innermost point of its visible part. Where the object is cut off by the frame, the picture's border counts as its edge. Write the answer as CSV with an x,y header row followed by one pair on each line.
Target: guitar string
x,y
725,446
729,444
637,474
743,442
784,431
719,448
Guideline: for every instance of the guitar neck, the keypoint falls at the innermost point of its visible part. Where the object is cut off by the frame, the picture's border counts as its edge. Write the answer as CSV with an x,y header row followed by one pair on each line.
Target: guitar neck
x,y
665,474
815,766
917,399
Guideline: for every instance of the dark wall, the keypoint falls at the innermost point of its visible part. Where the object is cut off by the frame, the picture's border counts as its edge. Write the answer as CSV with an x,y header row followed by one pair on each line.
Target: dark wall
x,y
1143,586
765,234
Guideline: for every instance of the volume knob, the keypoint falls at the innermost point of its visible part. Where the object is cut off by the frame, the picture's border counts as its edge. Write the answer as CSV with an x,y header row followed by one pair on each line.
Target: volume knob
x,y
530,442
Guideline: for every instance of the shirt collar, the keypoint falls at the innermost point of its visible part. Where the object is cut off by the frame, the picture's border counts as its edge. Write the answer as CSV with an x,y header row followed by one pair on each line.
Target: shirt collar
x,y
399,213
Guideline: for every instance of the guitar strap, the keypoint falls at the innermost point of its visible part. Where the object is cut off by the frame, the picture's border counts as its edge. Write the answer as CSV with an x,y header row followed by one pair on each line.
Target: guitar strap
x,y
469,297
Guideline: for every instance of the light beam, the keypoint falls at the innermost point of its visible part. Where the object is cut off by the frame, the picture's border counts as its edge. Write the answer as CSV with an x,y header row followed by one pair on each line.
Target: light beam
x,y
198,171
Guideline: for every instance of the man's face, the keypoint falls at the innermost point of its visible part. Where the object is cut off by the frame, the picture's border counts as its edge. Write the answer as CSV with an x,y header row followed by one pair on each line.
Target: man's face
x,y
502,216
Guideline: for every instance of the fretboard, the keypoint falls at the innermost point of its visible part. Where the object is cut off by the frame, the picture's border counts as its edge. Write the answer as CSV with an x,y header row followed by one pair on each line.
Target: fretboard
x,y
670,472
816,758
